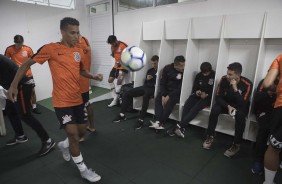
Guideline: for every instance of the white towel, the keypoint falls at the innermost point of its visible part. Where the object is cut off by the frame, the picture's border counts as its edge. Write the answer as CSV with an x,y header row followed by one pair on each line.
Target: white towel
x,y
3,97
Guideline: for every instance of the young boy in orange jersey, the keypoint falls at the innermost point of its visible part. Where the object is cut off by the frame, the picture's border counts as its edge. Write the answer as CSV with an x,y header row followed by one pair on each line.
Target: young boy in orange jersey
x,y
66,65
271,156
19,53
118,72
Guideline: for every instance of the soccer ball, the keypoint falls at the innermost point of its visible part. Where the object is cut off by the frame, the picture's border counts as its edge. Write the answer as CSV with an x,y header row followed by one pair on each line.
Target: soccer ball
x,y
133,58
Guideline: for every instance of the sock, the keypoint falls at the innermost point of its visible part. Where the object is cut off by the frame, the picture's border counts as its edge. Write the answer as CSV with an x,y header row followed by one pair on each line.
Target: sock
x,y
79,162
66,143
269,176
33,106
121,114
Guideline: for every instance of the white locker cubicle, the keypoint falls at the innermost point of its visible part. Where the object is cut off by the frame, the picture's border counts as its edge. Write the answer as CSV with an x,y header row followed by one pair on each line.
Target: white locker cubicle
x,y
254,40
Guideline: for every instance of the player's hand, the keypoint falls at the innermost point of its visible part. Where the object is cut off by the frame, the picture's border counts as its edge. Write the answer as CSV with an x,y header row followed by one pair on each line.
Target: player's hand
x,y
230,109
198,93
149,77
12,94
164,100
233,82
98,77
203,95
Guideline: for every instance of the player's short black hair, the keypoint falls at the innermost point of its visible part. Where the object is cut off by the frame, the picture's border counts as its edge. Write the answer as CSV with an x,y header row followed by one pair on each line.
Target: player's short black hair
x,y
236,67
179,59
68,21
18,39
111,39
205,67
155,58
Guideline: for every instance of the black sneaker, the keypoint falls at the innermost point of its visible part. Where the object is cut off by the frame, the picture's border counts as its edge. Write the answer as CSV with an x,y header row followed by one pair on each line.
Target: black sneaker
x,y
179,132
46,147
36,111
119,118
170,132
140,124
17,140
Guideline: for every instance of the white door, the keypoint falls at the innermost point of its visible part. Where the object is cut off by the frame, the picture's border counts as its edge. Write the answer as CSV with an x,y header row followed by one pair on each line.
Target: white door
x,y
100,28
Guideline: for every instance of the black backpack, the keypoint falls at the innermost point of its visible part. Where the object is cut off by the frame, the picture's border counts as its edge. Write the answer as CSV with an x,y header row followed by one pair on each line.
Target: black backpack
x,y
124,88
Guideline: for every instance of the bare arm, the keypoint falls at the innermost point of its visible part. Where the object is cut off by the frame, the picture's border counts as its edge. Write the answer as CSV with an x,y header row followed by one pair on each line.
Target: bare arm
x,y
98,77
270,78
13,90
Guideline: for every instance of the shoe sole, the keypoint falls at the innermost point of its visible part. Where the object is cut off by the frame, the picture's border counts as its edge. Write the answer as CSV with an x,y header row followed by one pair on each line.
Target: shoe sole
x,y
206,148
48,150
98,179
171,135
119,121
18,142
229,156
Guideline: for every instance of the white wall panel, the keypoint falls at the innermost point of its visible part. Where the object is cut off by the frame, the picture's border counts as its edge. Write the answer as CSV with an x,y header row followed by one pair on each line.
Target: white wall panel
x,y
176,29
243,25
206,27
273,28
153,30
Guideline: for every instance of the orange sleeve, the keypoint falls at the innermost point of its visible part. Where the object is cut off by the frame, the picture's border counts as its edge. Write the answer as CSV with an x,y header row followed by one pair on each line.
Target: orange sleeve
x,y
8,53
43,54
275,63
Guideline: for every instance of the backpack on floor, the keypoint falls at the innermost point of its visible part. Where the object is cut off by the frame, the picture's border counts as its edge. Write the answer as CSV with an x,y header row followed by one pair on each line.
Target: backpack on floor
x,y
123,89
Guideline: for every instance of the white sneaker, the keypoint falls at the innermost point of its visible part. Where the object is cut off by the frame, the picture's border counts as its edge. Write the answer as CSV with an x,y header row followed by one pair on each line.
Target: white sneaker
x,y
65,151
113,103
90,175
153,124
159,127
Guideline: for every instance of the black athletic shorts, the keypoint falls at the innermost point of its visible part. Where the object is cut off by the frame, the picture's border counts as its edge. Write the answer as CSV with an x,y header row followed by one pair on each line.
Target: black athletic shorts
x,y
115,72
276,128
85,98
71,115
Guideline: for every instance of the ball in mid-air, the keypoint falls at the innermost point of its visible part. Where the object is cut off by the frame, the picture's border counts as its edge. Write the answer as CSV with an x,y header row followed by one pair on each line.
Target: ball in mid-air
x,y
133,58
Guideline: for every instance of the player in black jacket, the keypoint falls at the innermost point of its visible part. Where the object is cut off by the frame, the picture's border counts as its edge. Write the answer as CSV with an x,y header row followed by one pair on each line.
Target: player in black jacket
x,y
147,91
169,94
232,97
263,105
199,99
21,109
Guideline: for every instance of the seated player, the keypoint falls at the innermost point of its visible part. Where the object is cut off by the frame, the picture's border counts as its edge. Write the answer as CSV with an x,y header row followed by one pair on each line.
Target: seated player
x,y
169,94
198,100
147,91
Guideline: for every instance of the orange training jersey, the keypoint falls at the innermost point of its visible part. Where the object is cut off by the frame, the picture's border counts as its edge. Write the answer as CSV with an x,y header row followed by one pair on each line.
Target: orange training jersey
x,y
64,64
277,64
85,46
117,53
19,56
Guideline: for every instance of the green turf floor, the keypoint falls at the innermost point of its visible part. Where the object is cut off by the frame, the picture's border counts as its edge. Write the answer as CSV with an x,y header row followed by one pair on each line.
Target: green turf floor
x,y
96,91
122,155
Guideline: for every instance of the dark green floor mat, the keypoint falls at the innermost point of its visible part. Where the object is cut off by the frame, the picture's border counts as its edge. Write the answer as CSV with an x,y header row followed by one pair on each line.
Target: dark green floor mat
x,y
125,156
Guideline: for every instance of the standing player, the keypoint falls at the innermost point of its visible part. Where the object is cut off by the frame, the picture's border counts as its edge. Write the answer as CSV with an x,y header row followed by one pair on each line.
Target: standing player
x,y
85,82
271,156
19,53
118,72
66,65
21,110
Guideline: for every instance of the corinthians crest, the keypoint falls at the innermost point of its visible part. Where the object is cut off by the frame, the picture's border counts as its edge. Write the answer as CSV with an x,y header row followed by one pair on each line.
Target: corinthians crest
x,y
77,56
